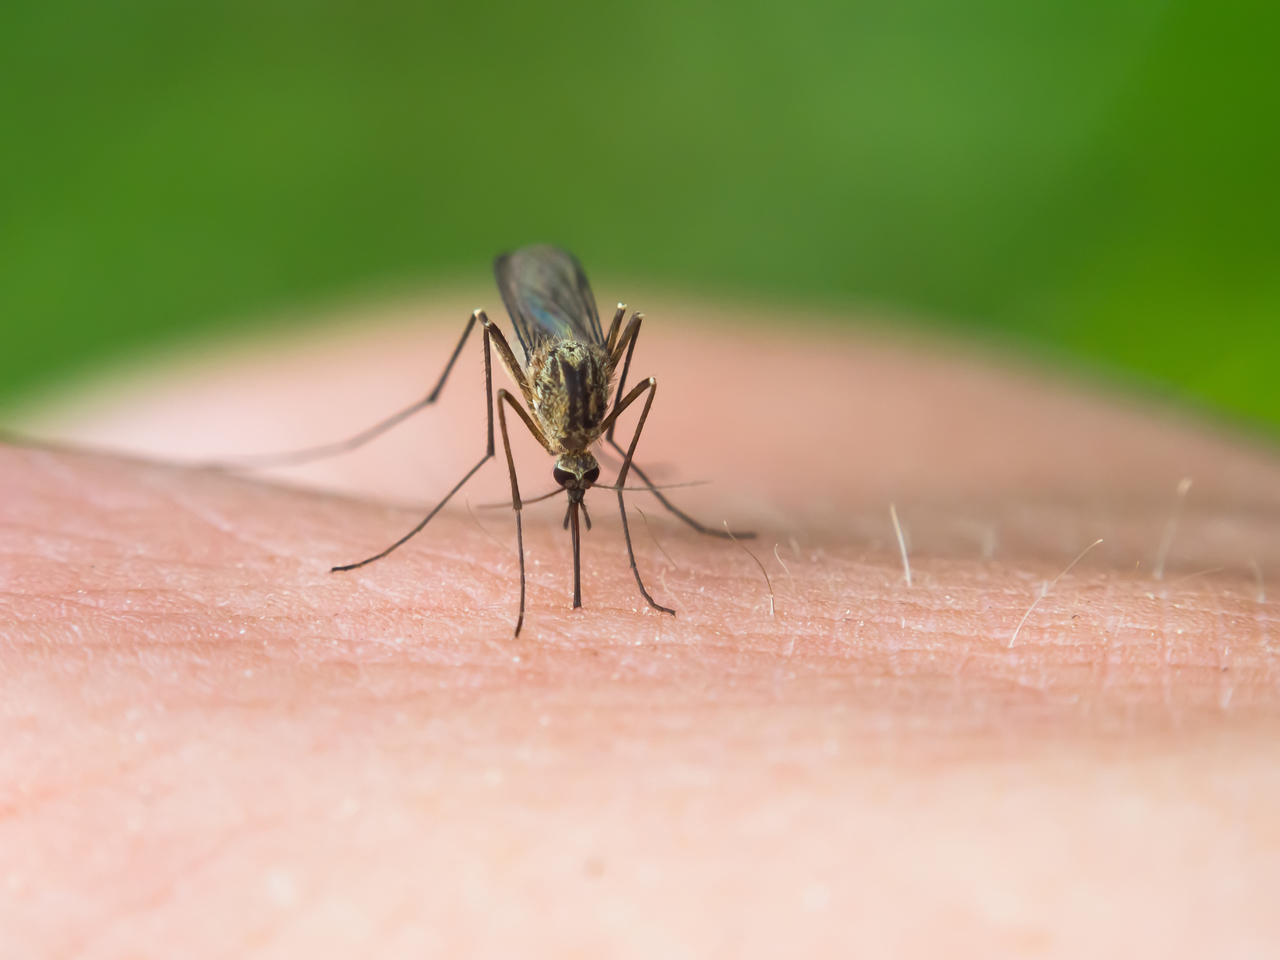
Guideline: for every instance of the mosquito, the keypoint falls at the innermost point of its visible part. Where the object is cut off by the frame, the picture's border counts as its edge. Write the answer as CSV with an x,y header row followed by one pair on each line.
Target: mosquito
x,y
569,368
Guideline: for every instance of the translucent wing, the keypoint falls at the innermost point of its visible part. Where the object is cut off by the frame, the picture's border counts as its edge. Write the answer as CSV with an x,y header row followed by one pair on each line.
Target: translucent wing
x,y
548,296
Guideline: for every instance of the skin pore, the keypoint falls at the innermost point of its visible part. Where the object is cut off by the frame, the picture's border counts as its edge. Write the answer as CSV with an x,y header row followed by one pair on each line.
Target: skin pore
x,y
212,746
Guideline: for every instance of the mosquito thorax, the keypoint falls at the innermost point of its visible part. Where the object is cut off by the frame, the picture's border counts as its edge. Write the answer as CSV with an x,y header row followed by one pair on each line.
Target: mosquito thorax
x,y
569,383
576,471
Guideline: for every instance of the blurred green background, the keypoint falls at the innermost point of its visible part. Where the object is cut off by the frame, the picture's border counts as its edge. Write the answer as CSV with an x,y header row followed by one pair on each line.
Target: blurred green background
x,y
1095,179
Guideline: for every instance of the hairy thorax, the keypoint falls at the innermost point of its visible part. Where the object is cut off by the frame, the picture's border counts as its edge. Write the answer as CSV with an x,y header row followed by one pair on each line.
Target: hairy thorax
x,y
569,384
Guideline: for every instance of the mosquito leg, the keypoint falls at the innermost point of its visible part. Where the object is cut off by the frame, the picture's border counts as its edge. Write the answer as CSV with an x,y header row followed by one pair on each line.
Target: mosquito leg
x,y
488,393
700,527
629,336
309,454
652,386
516,503
612,338
505,354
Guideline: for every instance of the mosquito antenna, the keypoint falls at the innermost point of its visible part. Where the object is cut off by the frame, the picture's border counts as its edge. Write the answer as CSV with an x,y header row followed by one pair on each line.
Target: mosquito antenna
x,y
598,486
758,564
654,488
523,500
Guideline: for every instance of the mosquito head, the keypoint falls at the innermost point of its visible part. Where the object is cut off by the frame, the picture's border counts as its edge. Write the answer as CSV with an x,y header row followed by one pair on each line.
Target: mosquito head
x,y
576,472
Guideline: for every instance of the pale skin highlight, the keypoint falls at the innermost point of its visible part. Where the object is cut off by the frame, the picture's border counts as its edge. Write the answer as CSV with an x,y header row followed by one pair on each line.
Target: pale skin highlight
x,y
214,746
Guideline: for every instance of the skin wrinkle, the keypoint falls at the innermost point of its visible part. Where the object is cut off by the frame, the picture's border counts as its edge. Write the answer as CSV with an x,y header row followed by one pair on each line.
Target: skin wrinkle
x,y
898,780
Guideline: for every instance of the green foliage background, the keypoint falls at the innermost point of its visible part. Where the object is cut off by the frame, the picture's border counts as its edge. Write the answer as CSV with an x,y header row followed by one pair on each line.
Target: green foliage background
x,y
1096,177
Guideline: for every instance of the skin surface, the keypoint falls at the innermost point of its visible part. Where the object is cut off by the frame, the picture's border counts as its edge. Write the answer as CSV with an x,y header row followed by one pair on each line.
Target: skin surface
x,y
214,747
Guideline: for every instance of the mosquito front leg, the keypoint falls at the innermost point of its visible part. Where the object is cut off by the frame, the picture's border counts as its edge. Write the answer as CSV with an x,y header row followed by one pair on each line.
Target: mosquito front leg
x,y
488,394
507,357
516,503
627,339
612,338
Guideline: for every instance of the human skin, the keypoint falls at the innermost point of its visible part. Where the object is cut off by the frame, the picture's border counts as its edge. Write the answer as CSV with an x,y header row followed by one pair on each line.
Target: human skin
x,y
213,746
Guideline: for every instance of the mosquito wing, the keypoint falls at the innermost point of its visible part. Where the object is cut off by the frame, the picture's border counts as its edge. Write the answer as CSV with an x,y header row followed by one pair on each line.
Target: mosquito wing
x,y
548,297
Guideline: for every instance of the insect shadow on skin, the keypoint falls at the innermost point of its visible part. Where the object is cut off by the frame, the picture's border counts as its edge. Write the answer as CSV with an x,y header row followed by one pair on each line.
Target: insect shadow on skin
x,y
569,367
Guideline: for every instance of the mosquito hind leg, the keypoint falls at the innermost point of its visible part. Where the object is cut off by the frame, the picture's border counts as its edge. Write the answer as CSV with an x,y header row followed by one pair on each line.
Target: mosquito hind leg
x,y
309,454
691,521
629,337
650,385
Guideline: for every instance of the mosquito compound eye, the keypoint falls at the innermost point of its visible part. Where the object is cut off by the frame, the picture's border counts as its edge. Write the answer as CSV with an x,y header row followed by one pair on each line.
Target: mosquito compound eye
x,y
561,477
591,476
